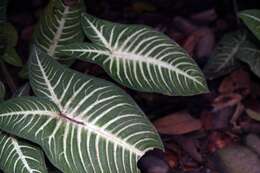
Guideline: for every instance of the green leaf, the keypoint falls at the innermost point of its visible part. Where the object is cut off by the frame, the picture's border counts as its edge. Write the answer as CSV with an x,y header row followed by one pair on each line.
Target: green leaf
x,y
18,156
92,127
9,35
3,9
11,57
224,59
24,72
140,58
59,25
252,19
252,59
2,91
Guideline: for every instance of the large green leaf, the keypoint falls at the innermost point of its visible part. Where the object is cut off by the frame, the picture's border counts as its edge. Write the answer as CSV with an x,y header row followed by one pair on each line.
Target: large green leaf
x,y
225,57
59,25
92,127
252,19
18,156
139,57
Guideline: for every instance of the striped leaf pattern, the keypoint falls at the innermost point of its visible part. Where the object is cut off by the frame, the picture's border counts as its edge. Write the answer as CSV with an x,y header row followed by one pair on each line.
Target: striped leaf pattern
x,y
17,156
226,56
59,25
83,124
252,19
139,57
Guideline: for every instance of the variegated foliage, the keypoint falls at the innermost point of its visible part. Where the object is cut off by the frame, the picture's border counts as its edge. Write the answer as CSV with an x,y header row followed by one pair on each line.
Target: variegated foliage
x,y
18,156
229,50
139,57
59,25
83,124
252,19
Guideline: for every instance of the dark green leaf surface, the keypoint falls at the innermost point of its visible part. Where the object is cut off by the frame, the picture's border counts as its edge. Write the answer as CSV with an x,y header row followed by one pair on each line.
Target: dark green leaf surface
x,y
84,124
229,50
18,156
139,57
59,25
252,19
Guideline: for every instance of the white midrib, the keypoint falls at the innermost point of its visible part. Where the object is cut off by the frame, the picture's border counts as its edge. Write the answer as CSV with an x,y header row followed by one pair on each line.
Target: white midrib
x,y
153,61
82,124
50,88
250,16
138,58
21,155
55,41
232,54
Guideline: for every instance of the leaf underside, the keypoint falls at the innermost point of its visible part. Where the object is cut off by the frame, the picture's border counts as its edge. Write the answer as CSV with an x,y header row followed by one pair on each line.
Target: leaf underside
x,y
59,25
138,57
83,124
229,50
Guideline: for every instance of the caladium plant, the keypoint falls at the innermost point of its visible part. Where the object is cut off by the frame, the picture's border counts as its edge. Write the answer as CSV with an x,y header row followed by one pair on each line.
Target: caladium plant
x,y
83,124
138,57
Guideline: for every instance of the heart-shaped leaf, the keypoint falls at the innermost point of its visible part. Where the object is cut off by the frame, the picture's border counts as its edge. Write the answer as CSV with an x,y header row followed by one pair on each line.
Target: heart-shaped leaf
x,y
139,57
252,19
18,156
226,56
86,125
59,25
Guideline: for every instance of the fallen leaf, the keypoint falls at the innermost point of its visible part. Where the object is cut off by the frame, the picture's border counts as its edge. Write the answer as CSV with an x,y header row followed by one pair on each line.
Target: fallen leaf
x,y
226,100
177,123
237,82
191,147
200,42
